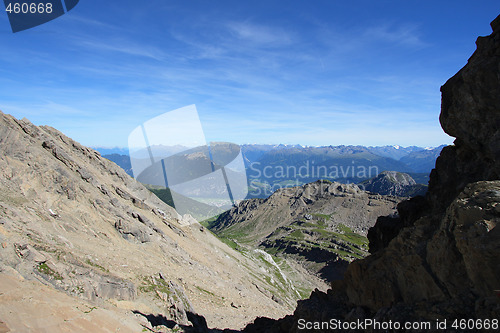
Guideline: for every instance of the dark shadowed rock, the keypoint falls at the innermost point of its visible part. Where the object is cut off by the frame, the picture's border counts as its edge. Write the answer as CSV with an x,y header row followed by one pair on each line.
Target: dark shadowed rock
x,y
388,227
431,258
470,112
440,258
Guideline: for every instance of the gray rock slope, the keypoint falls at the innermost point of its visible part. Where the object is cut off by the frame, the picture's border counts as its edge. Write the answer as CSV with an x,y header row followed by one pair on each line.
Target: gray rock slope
x,y
76,226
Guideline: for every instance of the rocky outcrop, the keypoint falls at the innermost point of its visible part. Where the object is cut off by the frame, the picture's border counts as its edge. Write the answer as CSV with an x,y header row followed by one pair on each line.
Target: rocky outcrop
x,y
450,255
343,204
389,226
320,226
453,259
470,112
394,183
440,257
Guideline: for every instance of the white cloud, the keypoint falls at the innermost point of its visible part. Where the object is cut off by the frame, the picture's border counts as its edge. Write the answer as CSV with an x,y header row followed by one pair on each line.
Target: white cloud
x,y
261,34
88,22
126,47
406,35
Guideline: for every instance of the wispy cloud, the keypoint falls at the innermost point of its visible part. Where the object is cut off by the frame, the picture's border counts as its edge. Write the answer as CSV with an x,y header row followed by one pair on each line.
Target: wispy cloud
x,y
260,34
343,46
251,78
88,22
125,47
406,35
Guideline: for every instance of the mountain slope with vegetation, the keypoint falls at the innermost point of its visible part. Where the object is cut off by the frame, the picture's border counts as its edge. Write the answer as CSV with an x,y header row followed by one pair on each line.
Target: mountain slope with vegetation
x,y
320,226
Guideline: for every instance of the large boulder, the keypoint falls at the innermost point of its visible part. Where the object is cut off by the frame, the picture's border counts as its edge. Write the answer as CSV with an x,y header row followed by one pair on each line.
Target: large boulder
x,y
470,112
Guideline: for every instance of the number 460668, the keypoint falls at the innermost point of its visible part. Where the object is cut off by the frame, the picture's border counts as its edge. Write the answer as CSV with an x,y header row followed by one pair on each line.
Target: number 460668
x,y
32,8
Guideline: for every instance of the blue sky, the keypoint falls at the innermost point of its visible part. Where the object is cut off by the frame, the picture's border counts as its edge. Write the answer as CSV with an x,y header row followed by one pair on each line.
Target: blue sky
x,y
313,73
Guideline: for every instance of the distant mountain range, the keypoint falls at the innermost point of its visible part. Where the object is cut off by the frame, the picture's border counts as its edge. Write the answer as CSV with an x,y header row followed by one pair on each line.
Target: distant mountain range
x,y
123,161
111,150
421,161
270,167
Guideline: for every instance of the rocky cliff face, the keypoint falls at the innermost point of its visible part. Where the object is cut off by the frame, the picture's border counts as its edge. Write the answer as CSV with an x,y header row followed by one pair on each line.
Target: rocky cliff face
x,y
441,257
470,113
87,248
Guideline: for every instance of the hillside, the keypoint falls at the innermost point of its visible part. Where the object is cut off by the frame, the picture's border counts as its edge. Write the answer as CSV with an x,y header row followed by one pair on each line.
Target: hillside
x,y
88,248
320,226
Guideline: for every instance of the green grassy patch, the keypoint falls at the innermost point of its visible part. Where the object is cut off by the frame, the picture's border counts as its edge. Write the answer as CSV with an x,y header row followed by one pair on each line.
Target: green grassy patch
x,y
44,269
209,223
242,235
205,291
325,233
93,264
231,243
297,234
344,228
150,285
308,225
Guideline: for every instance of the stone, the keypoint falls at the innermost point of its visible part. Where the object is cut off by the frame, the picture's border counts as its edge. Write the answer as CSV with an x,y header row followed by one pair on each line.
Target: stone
x,y
122,193
470,112
84,174
447,248
3,327
133,231
27,252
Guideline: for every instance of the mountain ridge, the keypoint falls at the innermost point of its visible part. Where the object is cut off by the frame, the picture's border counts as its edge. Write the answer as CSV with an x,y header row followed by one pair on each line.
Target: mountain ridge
x,y
78,227
320,226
